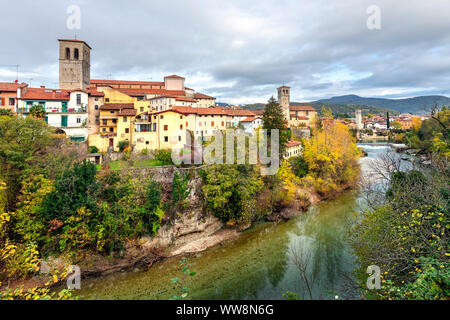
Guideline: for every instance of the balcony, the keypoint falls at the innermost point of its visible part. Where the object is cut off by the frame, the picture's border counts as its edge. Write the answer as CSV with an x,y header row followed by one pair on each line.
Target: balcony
x,y
108,134
67,110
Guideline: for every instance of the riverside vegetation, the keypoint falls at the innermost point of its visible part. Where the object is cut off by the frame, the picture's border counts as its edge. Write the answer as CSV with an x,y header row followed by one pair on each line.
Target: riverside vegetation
x,y
54,204
407,233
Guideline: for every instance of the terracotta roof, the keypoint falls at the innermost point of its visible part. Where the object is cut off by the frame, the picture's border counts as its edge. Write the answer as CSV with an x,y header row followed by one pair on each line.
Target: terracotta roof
x,y
186,99
174,76
127,82
74,40
127,112
250,119
93,92
241,112
45,94
202,96
201,111
301,108
11,86
117,106
292,143
141,92
259,112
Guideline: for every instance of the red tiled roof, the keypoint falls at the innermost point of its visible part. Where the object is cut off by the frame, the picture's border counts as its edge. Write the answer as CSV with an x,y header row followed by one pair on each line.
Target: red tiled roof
x,y
250,119
259,112
74,40
45,94
174,76
202,96
11,86
93,92
126,82
301,108
160,92
127,112
292,143
241,112
117,106
185,99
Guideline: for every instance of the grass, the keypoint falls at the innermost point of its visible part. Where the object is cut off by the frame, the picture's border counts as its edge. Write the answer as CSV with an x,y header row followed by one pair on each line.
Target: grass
x,y
121,164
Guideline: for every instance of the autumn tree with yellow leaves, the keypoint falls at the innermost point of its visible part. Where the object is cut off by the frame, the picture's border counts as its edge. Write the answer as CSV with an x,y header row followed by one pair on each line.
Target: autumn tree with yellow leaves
x,y
332,157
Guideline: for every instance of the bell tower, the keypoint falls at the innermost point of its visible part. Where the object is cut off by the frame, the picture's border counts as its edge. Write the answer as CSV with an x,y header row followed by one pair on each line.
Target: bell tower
x,y
284,100
74,64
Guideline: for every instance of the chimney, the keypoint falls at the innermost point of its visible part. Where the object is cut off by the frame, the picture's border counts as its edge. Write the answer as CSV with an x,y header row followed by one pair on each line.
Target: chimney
x,y
42,87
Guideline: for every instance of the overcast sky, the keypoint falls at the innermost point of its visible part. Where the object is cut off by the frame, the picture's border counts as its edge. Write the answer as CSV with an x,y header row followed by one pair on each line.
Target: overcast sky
x,y
240,51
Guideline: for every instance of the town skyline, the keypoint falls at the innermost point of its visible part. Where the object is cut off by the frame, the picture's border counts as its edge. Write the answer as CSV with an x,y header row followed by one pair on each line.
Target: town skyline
x,y
307,47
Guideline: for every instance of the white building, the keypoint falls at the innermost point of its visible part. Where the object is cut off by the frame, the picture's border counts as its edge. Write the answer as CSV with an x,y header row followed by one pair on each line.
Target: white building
x,y
250,124
67,110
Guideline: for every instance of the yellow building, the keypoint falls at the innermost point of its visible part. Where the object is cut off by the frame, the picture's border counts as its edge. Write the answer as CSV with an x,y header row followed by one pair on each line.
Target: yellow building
x,y
116,124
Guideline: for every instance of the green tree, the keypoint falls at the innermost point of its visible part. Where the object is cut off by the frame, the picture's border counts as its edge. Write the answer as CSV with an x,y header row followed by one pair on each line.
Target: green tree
x,y
23,141
75,189
273,118
37,111
230,191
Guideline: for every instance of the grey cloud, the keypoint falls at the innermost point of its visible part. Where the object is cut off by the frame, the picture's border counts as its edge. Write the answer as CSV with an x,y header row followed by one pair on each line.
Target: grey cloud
x,y
245,48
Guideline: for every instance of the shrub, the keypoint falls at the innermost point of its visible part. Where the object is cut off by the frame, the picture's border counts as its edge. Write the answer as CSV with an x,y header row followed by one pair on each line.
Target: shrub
x,y
74,189
123,145
93,149
230,191
164,155
299,166
180,189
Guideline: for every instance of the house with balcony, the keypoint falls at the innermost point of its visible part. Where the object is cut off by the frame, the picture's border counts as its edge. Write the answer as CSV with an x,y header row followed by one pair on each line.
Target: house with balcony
x,y
116,125
64,109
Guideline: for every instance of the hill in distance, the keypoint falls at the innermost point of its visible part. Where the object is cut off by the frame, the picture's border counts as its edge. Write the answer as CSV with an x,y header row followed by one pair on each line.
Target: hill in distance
x,y
346,111
416,105
349,103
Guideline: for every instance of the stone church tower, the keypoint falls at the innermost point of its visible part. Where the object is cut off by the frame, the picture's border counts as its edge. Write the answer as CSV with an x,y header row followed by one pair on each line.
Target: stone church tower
x,y
74,64
284,100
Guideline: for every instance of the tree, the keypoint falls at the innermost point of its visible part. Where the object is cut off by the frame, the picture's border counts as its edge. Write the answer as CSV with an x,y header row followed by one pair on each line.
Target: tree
x,y
331,155
76,188
230,190
37,111
273,118
396,125
23,142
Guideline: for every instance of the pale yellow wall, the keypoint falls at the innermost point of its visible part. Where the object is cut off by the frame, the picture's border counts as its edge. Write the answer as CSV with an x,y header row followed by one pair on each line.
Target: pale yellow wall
x,y
115,96
142,106
145,140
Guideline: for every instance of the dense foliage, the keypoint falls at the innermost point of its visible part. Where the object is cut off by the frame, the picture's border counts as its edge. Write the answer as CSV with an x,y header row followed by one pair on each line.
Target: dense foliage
x,y
230,191
408,235
51,203
331,157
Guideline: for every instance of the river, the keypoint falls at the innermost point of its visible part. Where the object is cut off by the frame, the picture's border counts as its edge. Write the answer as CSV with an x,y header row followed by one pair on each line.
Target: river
x,y
259,263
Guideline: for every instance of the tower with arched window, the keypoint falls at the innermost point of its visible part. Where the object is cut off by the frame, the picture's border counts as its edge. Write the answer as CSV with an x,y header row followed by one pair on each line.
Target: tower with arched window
x,y
284,100
74,64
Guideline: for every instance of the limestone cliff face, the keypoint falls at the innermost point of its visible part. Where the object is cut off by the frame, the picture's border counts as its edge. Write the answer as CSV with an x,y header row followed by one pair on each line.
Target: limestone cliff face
x,y
191,229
